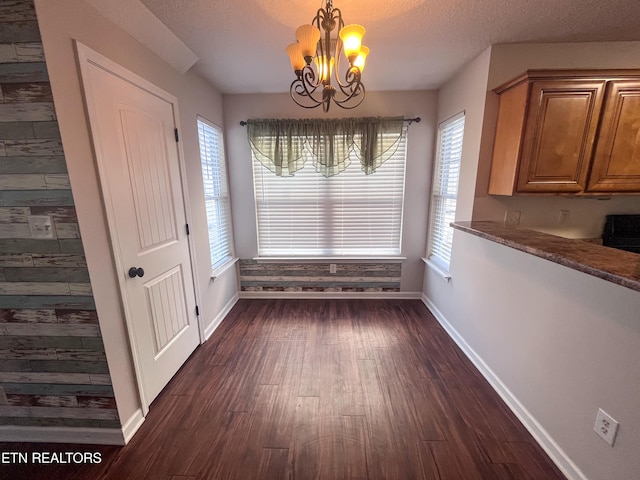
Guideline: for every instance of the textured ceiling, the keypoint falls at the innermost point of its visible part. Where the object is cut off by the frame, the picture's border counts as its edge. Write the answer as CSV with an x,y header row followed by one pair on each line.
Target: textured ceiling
x,y
415,44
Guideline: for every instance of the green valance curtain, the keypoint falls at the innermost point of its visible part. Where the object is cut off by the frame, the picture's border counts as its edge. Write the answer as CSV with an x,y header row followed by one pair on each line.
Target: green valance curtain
x,y
283,145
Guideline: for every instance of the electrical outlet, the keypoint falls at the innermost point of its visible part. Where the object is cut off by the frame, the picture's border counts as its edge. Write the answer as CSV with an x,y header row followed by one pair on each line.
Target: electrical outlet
x,y
563,217
606,427
41,227
511,218
332,268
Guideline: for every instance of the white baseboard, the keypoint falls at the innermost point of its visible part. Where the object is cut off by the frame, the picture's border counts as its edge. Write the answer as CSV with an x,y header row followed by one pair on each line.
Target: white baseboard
x,y
556,454
132,425
334,295
89,436
208,331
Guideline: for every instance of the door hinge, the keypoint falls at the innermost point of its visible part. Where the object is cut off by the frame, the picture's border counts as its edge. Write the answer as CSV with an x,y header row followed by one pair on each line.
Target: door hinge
x,y
188,231
197,311
175,130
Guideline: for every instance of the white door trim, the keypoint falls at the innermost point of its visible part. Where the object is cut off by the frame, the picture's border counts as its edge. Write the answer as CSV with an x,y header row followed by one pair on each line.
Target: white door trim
x,y
87,56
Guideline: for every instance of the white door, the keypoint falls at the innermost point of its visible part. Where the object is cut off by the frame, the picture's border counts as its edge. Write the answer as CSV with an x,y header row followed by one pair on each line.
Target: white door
x,y
138,159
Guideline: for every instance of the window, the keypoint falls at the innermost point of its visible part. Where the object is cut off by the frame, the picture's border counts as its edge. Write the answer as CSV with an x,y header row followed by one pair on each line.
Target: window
x,y
349,214
216,193
445,190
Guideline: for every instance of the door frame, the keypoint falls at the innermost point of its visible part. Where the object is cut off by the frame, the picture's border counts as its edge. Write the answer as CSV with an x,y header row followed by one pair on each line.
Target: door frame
x,y
86,56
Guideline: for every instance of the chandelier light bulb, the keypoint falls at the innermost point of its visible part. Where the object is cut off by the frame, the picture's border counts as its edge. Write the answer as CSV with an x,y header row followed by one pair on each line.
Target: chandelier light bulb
x,y
324,71
361,58
351,37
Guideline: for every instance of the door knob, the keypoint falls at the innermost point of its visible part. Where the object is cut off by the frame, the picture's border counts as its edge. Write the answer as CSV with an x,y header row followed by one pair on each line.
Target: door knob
x,y
136,272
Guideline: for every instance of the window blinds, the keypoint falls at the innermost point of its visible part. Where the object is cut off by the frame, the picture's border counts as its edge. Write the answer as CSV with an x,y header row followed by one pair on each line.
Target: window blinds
x,y
216,193
445,189
350,214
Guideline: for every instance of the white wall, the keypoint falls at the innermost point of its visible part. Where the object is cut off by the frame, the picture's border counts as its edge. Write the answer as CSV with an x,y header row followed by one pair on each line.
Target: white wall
x,y
61,22
587,215
560,344
418,174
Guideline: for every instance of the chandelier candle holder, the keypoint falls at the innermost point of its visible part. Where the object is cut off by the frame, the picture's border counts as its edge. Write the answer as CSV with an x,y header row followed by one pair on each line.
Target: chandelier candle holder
x,y
315,58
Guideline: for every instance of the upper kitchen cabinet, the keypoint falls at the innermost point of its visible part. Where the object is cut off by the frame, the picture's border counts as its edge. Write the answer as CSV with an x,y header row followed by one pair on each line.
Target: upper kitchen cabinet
x,y
549,122
616,163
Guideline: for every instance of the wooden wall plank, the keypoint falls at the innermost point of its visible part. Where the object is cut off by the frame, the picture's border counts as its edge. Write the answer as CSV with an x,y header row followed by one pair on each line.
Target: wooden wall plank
x,y
17,11
67,230
49,329
60,214
52,260
34,288
26,112
43,400
31,181
60,412
35,164
17,230
80,289
30,52
35,388
35,72
42,342
52,274
10,411
46,129
12,245
57,181
93,343
71,245
8,53
39,377
14,365
28,316
70,366
14,214
98,379
80,354
16,260
66,422
17,130
77,316
36,147
27,92
16,198
31,354
96,402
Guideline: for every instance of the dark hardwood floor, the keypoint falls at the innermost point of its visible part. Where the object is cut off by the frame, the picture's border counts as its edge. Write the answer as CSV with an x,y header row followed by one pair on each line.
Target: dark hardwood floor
x,y
319,389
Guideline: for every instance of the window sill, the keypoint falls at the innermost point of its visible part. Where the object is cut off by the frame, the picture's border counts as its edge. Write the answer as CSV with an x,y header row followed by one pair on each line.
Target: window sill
x,y
353,259
441,272
218,271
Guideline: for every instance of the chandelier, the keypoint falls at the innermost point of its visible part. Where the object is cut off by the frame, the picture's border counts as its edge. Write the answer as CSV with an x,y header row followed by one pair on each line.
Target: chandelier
x,y
315,58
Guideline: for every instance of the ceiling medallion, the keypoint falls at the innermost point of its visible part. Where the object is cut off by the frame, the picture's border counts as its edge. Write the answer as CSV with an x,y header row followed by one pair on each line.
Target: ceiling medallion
x,y
315,55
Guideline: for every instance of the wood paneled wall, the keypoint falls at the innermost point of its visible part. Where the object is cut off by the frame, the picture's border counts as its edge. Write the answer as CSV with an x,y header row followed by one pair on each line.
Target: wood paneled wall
x,y
316,277
53,370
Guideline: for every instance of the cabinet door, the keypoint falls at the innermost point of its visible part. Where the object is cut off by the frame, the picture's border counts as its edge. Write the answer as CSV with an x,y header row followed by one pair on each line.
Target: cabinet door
x,y
559,135
616,164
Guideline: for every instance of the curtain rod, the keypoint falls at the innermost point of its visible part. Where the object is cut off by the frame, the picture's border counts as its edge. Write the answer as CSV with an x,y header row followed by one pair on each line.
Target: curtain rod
x,y
410,120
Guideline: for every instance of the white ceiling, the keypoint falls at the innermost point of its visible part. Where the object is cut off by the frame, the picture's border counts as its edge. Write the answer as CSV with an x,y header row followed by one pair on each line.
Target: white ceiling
x,y
415,44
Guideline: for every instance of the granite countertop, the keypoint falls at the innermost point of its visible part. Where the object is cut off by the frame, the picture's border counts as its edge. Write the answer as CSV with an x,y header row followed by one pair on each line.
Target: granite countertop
x,y
616,266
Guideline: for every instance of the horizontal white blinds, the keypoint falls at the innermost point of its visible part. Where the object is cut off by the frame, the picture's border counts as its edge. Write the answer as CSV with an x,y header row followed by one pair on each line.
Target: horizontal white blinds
x,y
216,192
347,214
445,189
